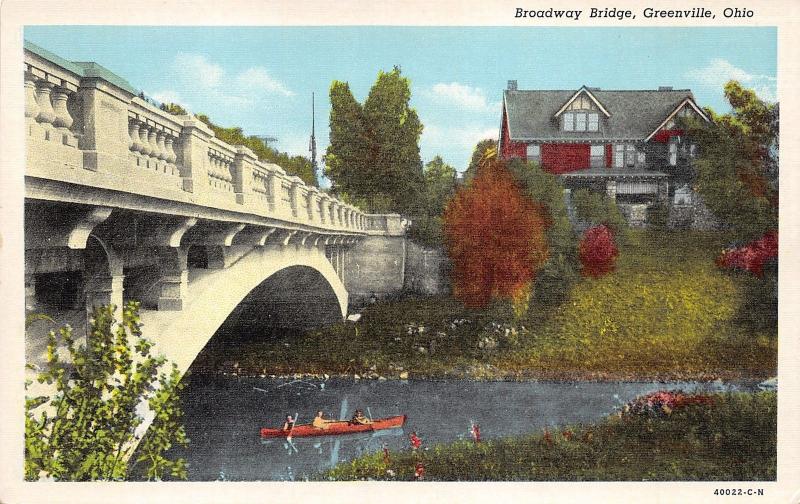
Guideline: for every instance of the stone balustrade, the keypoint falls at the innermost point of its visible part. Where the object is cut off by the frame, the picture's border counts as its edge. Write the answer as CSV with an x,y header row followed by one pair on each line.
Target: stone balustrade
x,y
87,126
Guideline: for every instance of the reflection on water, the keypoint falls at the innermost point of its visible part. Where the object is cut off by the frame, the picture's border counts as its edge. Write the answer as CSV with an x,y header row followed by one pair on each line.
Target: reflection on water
x,y
223,416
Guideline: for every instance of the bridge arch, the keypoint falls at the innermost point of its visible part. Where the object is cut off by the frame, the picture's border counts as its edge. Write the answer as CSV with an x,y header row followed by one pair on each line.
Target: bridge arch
x,y
293,284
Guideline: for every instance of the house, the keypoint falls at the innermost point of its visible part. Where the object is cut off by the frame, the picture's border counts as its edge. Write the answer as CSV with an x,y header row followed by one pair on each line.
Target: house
x,y
625,143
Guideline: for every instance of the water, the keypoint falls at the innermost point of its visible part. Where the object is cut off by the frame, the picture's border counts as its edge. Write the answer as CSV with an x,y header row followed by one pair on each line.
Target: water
x,y
223,416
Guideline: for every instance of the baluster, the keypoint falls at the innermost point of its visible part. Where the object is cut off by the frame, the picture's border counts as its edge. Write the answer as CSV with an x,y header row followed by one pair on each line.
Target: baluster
x,y
145,144
169,144
151,138
46,113
135,143
62,119
31,107
162,148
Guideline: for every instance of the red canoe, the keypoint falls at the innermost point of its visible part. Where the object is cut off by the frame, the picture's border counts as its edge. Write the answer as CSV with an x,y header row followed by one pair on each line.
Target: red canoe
x,y
336,427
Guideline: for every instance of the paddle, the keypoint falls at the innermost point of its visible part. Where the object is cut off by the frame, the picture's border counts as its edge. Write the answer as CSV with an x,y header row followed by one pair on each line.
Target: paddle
x,y
289,436
369,413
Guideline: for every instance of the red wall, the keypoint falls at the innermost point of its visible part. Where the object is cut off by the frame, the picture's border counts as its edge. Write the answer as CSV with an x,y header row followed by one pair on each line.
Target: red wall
x,y
511,149
562,158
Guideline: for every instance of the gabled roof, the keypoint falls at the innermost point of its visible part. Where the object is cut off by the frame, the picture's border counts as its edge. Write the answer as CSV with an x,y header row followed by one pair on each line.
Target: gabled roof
x,y
634,114
687,101
587,92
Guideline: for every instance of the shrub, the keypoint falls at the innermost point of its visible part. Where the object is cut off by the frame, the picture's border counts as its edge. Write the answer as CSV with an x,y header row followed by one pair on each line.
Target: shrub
x,y
596,209
597,251
555,279
88,426
753,256
495,237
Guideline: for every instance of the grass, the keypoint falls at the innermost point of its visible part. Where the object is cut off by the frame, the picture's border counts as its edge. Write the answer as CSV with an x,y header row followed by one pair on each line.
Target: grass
x,y
735,439
667,312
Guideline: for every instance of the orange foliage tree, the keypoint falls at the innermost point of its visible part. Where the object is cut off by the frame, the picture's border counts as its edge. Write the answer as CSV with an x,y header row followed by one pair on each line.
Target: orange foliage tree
x,y
495,236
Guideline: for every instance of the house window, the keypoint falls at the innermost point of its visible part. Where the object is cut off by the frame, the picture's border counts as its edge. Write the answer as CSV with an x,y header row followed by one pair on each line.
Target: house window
x,y
630,156
619,156
569,121
593,122
580,121
673,153
692,151
598,156
534,152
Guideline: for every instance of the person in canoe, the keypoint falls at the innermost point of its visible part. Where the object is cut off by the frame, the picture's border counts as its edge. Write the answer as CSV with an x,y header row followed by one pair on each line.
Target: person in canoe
x,y
360,419
289,423
319,422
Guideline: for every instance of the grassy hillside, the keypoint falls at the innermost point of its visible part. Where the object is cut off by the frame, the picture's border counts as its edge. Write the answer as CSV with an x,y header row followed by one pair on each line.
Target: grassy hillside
x,y
666,312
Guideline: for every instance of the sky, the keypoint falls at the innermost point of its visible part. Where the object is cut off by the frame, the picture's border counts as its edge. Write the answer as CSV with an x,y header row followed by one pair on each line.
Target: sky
x,y
262,78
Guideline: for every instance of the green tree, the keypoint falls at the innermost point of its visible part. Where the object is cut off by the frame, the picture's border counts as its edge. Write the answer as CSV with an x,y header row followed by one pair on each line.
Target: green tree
x,y
556,277
374,148
477,155
736,172
439,187
88,425
293,165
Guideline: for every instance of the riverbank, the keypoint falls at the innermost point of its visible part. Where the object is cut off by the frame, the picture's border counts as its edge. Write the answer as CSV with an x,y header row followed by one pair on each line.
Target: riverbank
x,y
722,437
666,314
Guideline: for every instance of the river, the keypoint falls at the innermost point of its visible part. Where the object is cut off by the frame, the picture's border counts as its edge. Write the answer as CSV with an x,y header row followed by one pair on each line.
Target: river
x,y
223,416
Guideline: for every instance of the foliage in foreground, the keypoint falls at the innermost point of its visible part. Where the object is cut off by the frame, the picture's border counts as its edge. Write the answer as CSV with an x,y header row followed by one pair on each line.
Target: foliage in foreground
x,y
730,437
87,424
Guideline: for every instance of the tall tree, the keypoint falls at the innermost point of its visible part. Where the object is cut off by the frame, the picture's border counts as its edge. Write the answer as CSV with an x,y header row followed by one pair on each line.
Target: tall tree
x,y
374,149
439,187
348,154
495,237
736,172
440,180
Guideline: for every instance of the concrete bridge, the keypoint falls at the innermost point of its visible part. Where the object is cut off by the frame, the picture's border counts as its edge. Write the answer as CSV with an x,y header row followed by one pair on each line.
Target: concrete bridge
x,y
125,201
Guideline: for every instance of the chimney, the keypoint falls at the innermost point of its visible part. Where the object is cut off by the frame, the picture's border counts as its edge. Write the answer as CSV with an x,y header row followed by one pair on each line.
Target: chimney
x,y
665,88
512,85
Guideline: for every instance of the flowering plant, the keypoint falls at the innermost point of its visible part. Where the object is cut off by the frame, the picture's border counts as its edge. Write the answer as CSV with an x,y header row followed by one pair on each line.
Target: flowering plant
x,y
597,251
663,403
752,256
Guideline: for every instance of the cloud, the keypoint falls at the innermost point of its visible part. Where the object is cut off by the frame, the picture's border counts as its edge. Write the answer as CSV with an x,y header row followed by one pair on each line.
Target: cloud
x,y
258,78
719,71
462,96
199,69
204,84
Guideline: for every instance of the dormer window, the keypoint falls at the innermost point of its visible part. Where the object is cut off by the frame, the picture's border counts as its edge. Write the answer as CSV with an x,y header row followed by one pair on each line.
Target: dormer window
x,y
580,121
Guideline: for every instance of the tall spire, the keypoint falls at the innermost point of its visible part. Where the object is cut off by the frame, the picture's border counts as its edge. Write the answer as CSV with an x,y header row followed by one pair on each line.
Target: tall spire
x,y
312,144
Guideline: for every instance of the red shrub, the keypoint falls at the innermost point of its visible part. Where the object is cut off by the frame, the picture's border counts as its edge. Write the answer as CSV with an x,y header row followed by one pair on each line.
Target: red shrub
x,y
752,256
597,251
495,236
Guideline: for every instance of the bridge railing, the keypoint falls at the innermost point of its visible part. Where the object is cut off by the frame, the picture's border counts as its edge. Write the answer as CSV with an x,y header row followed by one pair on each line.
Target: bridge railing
x,y
87,126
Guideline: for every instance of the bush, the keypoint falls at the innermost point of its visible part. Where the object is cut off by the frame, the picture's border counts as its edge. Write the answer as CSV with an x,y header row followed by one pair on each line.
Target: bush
x,y
596,209
753,256
597,251
555,279
87,427
657,217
